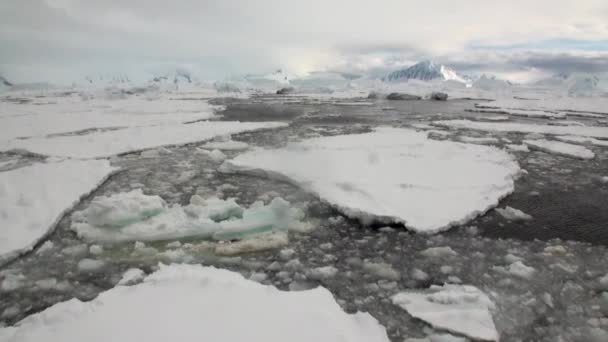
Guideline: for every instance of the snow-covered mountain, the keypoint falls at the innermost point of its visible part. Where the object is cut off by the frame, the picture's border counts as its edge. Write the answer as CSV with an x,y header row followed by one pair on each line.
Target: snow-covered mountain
x,y
425,71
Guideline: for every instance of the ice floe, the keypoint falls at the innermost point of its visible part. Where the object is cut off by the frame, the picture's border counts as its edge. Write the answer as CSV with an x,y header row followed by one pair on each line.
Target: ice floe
x,y
561,148
180,302
108,143
34,198
587,131
392,175
134,216
461,309
582,140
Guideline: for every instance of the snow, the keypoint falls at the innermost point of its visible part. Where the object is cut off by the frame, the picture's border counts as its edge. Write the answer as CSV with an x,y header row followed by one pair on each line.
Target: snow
x,y
108,143
582,140
132,276
392,175
194,303
134,216
35,197
461,309
560,148
34,120
513,214
587,131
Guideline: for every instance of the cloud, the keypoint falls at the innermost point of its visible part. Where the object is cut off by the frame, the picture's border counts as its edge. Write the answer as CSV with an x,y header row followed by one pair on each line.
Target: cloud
x,y
222,38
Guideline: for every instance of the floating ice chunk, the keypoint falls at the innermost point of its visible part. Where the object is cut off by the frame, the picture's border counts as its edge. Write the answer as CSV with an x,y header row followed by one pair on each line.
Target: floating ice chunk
x,y
34,198
587,131
439,252
187,297
121,209
215,155
46,284
419,275
11,282
151,219
46,246
392,175
513,214
95,249
381,270
519,269
109,143
560,148
461,309
90,265
582,140
255,243
523,112
322,273
132,276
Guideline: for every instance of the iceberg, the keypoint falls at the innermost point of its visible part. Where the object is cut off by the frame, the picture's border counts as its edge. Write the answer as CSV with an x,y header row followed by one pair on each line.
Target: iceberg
x,y
392,175
194,303
34,198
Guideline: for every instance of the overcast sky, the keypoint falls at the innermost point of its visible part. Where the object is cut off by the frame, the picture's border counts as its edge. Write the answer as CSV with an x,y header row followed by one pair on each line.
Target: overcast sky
x,y
517,39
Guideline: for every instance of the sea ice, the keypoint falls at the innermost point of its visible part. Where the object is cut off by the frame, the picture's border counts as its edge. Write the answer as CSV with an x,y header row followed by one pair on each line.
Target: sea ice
x,y
180,302
35,197
586,131
582,140
392,175
461,309
132,276
561,148
134,216
109,143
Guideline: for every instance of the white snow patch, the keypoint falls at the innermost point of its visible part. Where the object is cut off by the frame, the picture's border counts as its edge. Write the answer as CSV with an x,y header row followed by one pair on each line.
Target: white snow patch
x,y
34,198
180,302
109,143
392,175
461,309
561,148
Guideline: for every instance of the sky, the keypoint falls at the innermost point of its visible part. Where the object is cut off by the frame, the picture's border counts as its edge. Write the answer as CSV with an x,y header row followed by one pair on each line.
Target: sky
x,y
520,40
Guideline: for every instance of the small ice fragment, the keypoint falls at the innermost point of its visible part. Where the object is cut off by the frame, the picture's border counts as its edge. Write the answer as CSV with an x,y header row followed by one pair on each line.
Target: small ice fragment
x,y
439,252
513,214
132,276
90,265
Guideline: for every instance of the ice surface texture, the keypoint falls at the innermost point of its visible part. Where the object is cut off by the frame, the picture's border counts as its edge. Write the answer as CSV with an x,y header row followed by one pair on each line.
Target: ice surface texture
x,y
392,175
194,303
34,198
